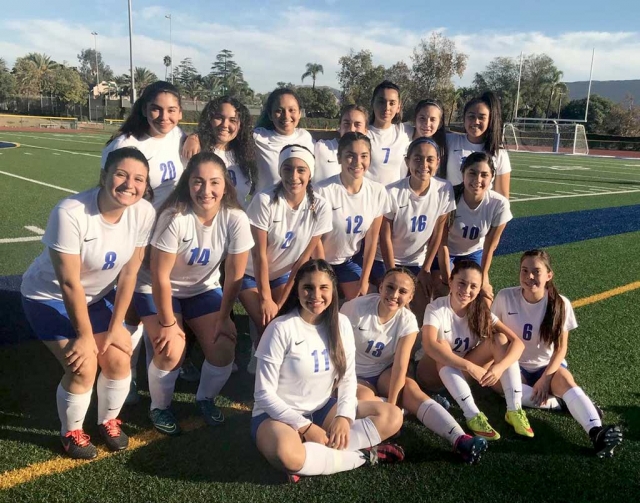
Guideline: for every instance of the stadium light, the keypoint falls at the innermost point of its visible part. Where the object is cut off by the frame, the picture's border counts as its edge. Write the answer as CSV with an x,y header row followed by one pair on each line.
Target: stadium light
x,y
95,45
168,16
133,77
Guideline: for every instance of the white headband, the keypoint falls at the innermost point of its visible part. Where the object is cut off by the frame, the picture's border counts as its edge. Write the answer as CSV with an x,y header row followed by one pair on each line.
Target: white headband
x,y
299,152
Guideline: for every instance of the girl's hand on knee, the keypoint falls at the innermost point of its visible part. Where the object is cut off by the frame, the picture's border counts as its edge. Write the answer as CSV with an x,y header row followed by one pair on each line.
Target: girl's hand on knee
x,y
476,371
79,351
118,337
491,376
540,393
339,433
166,340
315,434
225,327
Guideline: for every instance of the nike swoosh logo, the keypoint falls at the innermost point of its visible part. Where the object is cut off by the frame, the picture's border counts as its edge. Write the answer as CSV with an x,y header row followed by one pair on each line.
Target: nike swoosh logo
x,y
86,240
447,331
299,342
517,391
277,221
115,408
451,430
334,209
363,329
186,240
400,207
465,397
591,420
332,161
511,314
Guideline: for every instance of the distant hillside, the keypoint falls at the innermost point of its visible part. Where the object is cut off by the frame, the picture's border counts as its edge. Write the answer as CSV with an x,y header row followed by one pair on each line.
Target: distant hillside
x,y
615,90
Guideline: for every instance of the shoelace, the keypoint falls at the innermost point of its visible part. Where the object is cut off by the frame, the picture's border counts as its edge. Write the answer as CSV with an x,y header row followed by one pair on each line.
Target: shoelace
x,y
79,437
484,423
113,427
523,417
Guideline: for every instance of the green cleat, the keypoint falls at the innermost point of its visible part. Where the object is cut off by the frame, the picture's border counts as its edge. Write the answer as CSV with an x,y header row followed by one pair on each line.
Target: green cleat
x,y
480,427
518,419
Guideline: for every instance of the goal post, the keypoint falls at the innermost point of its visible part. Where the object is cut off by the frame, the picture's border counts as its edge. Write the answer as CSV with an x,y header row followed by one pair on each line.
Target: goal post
x,y
545,136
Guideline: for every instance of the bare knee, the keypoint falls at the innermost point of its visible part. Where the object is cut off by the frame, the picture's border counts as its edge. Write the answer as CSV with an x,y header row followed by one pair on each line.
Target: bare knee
x,y
115,364
290,460
222,352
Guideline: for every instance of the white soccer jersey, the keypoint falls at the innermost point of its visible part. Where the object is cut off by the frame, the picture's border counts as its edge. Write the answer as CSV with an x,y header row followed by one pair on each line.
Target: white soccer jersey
x,y
525,320
199,249
76,227
459,148
352,216
306,374
240,181
269,143
388,150
414,218
470,227
376,342
163,155
327,165
289,231
451,327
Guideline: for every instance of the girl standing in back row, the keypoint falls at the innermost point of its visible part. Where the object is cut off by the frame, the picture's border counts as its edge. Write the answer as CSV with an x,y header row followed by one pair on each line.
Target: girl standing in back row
x,y
483,133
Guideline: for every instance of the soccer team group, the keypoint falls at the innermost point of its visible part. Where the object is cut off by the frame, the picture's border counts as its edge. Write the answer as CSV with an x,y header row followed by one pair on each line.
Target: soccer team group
x,y
363,263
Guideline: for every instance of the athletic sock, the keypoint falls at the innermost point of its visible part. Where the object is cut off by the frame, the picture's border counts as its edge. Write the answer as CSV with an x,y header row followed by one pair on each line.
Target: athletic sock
x,y
363,434
552,402
582,408
111,396
512,386
72,409
322,460
459,389
148,347
435,417
212,379
161,386
136,336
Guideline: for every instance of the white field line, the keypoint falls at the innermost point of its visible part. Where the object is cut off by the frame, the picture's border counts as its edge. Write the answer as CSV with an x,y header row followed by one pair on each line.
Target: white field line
x,y
38,182
20,240
59,150
36,137
27,153
34,229
617,180
548,193
575,195
560,183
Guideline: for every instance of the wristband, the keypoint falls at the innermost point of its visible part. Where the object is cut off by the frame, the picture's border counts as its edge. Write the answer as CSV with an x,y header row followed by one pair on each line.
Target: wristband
x,y
306,430
167,326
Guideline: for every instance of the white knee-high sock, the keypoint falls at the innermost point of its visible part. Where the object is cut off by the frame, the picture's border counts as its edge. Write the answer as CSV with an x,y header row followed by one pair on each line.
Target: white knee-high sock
x,y
582,408
72,409
435,417
457,385
212,379
527,400
322,460
512,386
148,347
136,336
161,386
363,434
111,396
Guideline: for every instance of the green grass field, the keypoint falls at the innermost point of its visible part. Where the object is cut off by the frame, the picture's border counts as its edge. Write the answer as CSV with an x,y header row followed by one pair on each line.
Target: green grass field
x,y
221,464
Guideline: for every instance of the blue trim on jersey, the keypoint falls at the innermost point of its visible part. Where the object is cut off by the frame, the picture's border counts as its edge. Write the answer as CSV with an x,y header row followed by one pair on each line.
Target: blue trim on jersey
x,y
250,282
476,257
50,321
348,272
193,307
317,417
531,377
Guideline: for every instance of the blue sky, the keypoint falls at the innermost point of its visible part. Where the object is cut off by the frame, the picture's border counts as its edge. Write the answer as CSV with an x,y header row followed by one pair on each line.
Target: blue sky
x,y
273,41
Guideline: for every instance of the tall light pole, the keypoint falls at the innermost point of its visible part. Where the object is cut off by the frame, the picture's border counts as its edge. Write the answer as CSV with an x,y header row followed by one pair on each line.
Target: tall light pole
x,y
133,79
95,45
168,16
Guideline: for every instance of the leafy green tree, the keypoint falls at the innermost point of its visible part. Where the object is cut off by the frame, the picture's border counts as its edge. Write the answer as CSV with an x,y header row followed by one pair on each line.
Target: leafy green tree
x,y
358,77
501,77
68,86
143,77
313,69
123,83
400,74
87,67
185,72
435,62
318,102
538,76
599,109
7,81
224,64
167,63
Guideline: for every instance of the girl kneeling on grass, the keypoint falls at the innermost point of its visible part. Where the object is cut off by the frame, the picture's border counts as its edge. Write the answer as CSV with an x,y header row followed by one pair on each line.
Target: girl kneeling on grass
x,y
542,318
385,331
461,338
95,240
199,226
305,356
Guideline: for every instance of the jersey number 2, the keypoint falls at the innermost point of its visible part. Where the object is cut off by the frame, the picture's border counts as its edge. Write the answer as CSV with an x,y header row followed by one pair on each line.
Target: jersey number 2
x,y
168,171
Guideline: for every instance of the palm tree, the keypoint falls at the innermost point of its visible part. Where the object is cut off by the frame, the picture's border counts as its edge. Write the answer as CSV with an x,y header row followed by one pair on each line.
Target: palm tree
x,y
313,69
43,67
553,83
195,90
143,77
167,63
212,85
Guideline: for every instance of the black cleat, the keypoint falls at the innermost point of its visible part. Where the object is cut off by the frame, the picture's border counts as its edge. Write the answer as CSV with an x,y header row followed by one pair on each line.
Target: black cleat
x,y
605,439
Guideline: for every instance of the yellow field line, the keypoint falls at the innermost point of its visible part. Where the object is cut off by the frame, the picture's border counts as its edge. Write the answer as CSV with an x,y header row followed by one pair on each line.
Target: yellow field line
x,y
606,295
62,464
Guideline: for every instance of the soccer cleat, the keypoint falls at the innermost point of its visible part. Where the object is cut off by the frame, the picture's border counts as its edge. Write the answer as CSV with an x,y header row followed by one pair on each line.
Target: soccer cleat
x,y
113,435
479,425
383,453
77,444
470,448
518,419
164,421
293,478
446,404
189,372
133,397
605,439
213,416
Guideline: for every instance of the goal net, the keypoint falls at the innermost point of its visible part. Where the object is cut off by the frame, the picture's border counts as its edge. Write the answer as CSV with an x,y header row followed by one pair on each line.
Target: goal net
x,y
547,136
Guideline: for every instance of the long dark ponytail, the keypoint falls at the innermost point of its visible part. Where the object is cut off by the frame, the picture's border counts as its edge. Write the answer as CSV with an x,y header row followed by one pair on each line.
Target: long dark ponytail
x,y
478,312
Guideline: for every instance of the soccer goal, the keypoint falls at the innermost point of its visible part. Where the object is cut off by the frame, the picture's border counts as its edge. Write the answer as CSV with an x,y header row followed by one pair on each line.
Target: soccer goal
x,y
545,136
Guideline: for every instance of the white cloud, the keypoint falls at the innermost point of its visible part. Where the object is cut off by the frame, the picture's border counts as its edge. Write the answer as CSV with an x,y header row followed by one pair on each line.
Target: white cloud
x,y
297,36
